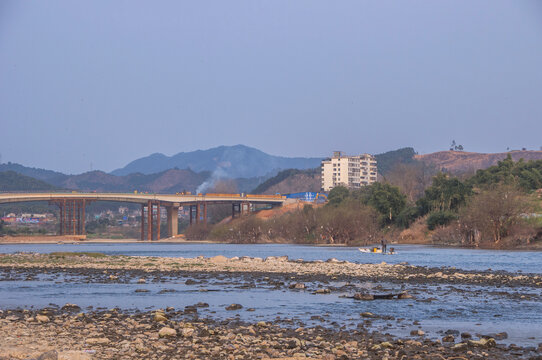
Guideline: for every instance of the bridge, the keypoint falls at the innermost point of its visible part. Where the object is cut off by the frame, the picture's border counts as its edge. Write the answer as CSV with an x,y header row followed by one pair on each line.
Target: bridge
x,y
72,207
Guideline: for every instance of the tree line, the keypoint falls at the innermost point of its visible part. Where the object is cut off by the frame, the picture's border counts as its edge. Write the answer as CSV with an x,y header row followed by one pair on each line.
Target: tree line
x,y
493,208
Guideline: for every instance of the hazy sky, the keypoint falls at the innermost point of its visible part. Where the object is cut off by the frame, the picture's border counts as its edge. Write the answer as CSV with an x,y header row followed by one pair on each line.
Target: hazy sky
x,y
106,82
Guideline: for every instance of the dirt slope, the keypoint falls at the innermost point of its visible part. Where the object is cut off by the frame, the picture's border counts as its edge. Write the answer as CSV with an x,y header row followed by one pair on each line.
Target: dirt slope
x,y
463,162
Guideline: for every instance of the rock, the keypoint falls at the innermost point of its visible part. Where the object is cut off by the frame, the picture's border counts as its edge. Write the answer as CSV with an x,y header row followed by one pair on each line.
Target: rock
x,y
333,261
448,338
367,315
218,259
386,345
202,305
187,332
42,318
452,332
167,332
234,307
361,296
261,324
293,343
190,282
140,346
71,307
323,291
190,309
141,281
404,295
497,336
141,291
49,355
417,332
485,343
297,286
113,277
459,347
465,335
160,317
98,341
251,309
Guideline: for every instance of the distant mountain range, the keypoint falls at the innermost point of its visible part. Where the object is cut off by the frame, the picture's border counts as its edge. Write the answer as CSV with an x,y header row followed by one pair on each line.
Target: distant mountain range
x,y
249,168
237,161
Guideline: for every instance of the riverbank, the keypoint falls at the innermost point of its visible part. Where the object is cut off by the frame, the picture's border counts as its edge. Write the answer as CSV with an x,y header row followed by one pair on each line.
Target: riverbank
x,y
67,333
331,269
68,239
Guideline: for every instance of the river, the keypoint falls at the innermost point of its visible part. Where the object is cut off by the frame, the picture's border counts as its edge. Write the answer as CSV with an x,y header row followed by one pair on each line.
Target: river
x,y
437,308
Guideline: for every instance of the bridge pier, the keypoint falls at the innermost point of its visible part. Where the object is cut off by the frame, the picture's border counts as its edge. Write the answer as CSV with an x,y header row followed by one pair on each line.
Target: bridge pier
x,y
172,220
153,217
72,216
142,221
195,212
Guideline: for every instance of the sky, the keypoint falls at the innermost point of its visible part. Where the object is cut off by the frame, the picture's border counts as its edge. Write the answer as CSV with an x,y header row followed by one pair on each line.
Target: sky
x,y
96,84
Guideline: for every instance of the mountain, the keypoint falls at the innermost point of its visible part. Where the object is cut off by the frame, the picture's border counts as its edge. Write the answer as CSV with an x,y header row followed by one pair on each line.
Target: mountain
x,y
459,162
386,161
237,161
12,181
291,181
36,173
170,181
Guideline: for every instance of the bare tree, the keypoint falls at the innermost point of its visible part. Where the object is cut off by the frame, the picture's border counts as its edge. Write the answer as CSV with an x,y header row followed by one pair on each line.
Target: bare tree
x,y
492,213
412,179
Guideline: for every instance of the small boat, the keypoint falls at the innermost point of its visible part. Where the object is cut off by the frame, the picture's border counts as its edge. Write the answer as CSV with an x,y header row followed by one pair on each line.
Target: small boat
x,y
376,250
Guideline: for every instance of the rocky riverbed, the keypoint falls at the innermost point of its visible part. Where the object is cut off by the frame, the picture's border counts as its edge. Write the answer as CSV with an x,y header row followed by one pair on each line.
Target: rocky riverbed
x,y
67,333
195,331
332,268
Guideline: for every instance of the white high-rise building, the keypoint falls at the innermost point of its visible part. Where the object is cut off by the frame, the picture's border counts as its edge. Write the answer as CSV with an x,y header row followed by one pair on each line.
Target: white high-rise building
x,y
350,171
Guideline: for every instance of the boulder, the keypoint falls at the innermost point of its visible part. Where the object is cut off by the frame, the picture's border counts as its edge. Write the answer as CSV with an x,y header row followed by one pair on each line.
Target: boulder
x,y
49,355
167,332
483,342
323,291
297,286
362,296
234,307
160,317
187,332
98,341
71,307
42,318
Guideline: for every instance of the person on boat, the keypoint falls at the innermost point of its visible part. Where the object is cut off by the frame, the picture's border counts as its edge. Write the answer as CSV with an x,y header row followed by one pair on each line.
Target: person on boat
x,y
384,244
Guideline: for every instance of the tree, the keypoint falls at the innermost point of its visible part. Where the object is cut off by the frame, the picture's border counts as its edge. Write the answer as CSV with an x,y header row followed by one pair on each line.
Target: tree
x,y
445,194
493,212
385,198
412,179
440,218
337,195
527,175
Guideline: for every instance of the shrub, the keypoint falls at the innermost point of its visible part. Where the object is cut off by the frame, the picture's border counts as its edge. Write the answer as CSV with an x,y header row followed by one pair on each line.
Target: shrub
x,y
440,218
